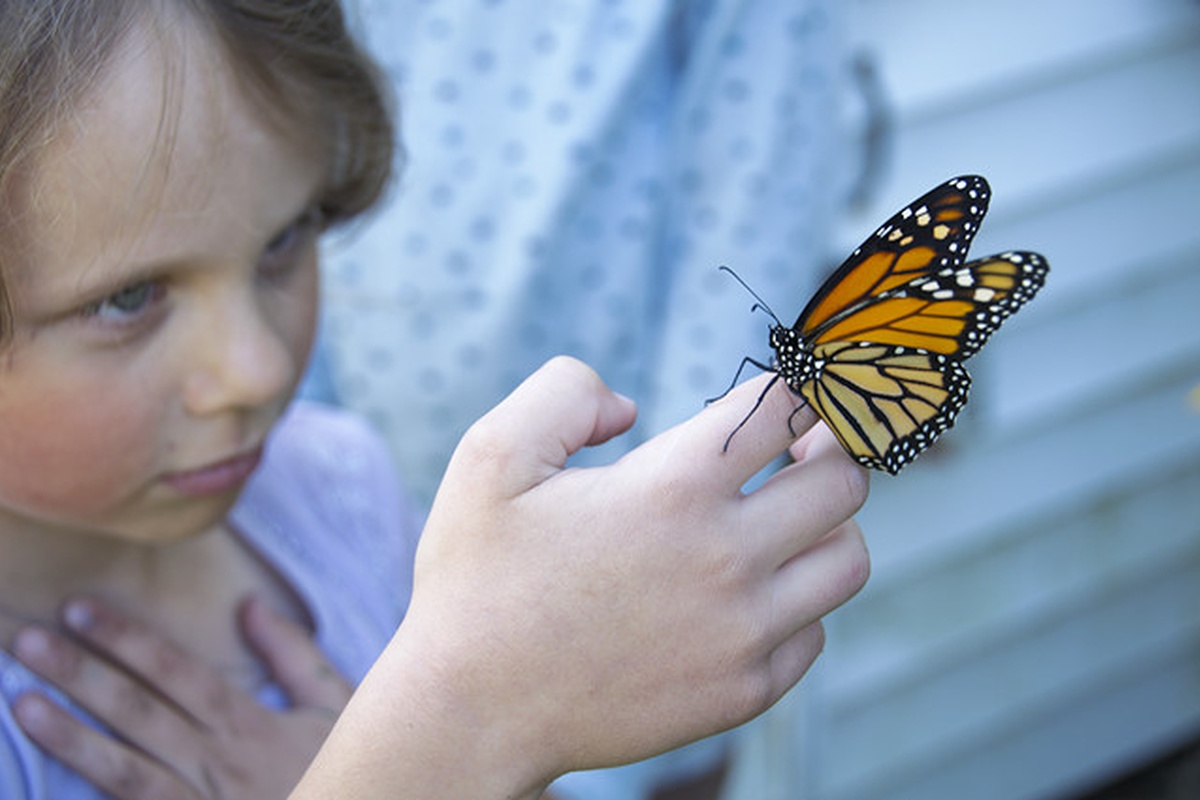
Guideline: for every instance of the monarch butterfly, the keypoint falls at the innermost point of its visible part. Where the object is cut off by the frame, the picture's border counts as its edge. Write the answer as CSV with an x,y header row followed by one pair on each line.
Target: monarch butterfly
x,y
878,351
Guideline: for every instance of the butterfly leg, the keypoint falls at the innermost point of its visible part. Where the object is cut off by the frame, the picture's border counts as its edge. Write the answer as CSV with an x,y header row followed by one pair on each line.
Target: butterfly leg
x,y
737,375
757,403
795,411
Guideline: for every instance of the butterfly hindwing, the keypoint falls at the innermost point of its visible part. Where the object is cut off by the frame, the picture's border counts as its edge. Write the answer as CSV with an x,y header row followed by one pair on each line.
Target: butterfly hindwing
x,y
885,403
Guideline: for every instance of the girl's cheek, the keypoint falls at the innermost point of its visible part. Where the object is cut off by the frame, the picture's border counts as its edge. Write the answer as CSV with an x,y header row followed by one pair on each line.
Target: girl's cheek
x,y
67,458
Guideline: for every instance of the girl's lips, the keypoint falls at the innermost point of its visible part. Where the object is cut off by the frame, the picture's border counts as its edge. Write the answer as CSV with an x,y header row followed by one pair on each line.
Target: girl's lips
x,y
217,478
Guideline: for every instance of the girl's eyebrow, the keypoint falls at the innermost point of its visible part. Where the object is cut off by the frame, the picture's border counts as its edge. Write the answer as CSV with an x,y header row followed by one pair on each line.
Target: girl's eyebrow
x,y
102,279
66,300
121,277
123,274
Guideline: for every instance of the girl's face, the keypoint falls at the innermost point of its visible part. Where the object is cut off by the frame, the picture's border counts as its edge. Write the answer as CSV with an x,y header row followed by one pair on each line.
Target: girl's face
x,y
164,301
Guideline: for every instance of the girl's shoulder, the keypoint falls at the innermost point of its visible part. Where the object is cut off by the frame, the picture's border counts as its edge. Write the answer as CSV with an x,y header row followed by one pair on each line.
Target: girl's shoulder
x,y
326,471
327,510
317,439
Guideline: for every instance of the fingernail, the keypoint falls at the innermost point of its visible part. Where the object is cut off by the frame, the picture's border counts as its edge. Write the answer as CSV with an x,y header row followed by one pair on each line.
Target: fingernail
x,y
253,614
32,645
79,615
32,712
36,715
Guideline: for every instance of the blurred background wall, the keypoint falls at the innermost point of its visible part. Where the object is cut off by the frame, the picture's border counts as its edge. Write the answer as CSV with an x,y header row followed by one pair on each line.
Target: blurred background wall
x,y
1032,625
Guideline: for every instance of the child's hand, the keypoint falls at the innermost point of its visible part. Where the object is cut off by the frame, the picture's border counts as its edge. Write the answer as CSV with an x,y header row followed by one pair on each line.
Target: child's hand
x,y
184,731
574,618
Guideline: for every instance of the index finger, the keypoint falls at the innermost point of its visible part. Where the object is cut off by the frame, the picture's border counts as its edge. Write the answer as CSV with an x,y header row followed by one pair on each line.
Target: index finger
x,y
122,771
559,409
188,682
763,416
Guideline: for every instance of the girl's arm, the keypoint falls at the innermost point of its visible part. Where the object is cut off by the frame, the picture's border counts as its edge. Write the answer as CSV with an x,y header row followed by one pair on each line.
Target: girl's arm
x,y
574,618
561,619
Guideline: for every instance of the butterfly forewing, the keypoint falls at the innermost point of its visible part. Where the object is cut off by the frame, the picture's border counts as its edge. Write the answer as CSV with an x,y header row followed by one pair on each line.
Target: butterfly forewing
x,y
996,286
952,311
931,233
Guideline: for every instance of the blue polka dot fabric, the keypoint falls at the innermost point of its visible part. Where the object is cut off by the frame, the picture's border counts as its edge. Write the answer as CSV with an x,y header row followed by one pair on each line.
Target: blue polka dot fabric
x,y
575,172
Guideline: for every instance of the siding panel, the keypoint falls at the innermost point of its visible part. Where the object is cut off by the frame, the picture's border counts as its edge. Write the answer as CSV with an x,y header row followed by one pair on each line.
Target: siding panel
x,y
1032,624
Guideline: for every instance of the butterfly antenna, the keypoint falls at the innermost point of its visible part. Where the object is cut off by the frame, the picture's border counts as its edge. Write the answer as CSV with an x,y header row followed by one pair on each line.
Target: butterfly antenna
x,y
759,302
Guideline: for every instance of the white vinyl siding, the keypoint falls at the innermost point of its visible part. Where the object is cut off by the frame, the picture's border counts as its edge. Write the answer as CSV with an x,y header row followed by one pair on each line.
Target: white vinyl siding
x,y
1032,623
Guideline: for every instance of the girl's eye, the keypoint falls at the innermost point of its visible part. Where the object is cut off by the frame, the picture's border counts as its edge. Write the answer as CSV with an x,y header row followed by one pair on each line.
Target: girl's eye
x,y
289,248
127,304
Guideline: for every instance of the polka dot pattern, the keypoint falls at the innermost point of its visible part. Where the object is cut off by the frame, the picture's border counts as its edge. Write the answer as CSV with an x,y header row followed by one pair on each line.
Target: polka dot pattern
x,y
576,172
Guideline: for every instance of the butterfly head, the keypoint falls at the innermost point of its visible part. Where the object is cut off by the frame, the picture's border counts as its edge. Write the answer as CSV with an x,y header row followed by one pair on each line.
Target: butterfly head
x,y
793,358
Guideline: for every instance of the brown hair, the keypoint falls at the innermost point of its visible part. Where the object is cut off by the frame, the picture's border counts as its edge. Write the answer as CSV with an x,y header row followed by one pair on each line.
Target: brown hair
x,y
297,59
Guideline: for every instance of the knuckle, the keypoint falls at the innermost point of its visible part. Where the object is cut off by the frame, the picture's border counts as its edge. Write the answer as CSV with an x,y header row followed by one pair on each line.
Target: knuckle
x,y
131,702
730,564
816,635
855,484
572,367
98,622
753,698
127,778
169,662
486,446
224,708
856,569
135,781
673,495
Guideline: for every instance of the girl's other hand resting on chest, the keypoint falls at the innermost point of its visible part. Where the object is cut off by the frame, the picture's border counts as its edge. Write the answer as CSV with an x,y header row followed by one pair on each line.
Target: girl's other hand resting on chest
x,y
179,727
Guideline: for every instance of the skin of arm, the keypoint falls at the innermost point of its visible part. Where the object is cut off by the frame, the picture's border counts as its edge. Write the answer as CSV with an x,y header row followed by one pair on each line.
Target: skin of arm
x,y
562,619
569,619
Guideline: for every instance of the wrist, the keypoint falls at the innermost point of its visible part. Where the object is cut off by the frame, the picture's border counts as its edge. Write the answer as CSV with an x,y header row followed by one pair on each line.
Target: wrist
x,y
419,727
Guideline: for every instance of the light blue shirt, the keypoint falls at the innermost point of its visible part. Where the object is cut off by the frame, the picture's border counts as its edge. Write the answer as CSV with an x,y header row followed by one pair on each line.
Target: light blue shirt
x,y
324,510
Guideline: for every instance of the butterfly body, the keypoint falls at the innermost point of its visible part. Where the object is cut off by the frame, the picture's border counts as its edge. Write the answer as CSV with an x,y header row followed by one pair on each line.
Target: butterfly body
x,y
878,351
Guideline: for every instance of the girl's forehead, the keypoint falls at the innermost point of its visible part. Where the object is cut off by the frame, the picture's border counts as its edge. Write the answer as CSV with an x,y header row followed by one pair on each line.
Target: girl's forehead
x,y
170,93
163,89
143,131
149,163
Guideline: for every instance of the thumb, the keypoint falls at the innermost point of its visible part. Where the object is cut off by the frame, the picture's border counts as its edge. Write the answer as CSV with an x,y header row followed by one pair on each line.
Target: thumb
x,y
293,658
556,411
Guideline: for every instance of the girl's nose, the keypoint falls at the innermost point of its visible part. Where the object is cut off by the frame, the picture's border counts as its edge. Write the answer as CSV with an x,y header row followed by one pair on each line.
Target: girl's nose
x,y
244,360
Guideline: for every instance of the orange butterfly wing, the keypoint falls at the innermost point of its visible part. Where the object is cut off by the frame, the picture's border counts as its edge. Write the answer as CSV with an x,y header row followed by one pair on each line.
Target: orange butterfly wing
x,y
878,351
886,404
930,234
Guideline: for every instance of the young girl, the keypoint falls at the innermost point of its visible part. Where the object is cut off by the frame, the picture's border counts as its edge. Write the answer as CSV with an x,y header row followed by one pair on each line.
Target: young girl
x,y
165,170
